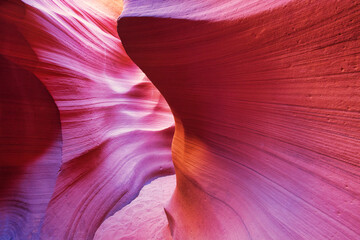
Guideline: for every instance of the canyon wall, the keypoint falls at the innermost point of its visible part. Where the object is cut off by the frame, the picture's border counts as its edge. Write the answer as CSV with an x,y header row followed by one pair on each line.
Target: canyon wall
x,y
82,128
265,96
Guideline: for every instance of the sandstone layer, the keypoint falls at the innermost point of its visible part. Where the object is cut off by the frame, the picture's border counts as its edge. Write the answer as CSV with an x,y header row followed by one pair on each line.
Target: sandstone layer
x,y
266,100
63,65
265,96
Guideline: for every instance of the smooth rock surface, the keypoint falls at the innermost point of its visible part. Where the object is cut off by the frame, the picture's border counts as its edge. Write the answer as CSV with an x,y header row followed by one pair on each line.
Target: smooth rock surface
x,y
116,128
265,95
143,218
30,147
266,103
30,135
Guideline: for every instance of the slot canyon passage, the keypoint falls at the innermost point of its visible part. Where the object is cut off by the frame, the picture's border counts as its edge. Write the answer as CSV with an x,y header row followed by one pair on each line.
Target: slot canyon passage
x,y
181,119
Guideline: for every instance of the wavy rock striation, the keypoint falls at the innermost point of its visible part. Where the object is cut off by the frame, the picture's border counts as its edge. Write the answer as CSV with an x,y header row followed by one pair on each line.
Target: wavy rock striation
x,y
265,96
143,218
116,128
30,137
30,151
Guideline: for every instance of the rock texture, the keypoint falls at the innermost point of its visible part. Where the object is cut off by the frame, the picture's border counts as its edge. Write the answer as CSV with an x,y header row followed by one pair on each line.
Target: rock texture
x,y
30,150
30,137
116,128
143,218
265,96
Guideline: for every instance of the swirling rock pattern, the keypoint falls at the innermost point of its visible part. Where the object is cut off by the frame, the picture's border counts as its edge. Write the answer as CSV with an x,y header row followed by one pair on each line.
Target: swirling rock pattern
x,y
143,218
116,128
30,151
30,136
265,96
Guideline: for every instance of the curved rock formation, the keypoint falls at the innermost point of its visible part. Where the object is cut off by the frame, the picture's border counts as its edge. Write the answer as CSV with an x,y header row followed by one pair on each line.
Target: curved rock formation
x,y
30,137
30,151
116,128
265,96
144,217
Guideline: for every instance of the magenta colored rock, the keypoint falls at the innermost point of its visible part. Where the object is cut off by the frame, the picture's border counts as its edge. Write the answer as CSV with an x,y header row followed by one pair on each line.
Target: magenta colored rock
x,y
264,93
143,218
30,136
116,127
265,96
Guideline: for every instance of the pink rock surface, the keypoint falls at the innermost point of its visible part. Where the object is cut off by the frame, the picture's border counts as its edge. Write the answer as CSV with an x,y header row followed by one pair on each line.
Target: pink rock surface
x,y
265,96
116,128
30,151
30,139
143,218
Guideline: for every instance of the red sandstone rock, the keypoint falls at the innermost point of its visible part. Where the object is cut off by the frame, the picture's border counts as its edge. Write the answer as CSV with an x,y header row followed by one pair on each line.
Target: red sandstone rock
x,y
265,96
143,218
30,137
266,103
116,128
